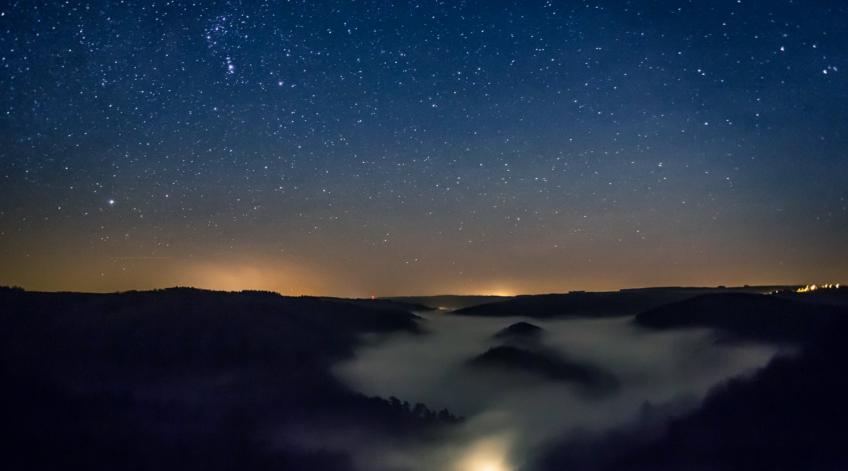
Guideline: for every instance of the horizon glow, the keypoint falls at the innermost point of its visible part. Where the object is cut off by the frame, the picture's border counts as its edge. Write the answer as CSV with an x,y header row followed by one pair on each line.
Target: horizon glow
x,y
371,149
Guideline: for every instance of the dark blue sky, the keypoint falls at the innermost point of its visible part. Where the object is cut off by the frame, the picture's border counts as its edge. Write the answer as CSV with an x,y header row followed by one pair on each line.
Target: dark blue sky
x,y
381,147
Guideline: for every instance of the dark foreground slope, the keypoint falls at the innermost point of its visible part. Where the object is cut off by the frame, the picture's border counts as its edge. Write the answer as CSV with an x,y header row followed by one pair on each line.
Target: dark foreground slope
x,y
187,379
593,304
791,415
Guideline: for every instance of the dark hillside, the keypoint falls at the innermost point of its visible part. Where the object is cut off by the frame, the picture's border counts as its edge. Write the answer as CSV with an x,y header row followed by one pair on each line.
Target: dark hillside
x,y
186,378
750,316
591,304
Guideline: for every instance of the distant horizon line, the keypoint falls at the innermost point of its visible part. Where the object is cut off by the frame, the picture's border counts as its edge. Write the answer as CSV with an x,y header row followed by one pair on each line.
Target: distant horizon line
x,y
490,295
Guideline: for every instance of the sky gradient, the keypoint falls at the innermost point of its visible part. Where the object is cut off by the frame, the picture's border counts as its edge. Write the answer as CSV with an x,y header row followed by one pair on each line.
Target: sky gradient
x,y
360,148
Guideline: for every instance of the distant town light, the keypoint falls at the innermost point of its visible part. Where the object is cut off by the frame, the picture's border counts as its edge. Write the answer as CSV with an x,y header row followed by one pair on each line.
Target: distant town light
x,y
810,288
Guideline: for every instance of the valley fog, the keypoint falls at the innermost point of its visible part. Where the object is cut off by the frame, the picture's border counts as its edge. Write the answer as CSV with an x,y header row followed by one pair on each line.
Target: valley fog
x,y
510,414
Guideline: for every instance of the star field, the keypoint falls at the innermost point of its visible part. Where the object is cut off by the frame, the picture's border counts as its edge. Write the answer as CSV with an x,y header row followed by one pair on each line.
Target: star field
x,y
380,147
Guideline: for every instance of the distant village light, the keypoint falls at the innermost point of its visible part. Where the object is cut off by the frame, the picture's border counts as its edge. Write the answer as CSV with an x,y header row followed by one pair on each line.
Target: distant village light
x,y
810,288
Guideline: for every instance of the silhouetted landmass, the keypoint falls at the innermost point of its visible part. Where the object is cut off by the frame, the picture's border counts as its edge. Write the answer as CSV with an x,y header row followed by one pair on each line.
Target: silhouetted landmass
x,y
791,415
189,379
594,304
750,316
386,303
520,331
546,364
448,301
833,296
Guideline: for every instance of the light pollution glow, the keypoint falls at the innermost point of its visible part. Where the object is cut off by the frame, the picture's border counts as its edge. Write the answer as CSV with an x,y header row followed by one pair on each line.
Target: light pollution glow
x,y
71,271
531,157
486,454
334,265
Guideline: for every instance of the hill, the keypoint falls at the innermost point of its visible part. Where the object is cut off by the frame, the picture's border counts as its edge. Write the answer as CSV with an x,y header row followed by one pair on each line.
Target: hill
x,y
546,364
793,414
187,378
593,304
521,331
750,316
448,301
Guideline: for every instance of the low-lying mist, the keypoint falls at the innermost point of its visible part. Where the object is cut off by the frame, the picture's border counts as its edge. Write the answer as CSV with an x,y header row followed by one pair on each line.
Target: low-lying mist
x,y
511,413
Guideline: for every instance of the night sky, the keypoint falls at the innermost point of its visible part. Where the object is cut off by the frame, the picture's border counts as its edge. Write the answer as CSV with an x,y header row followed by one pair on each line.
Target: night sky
x,y
362,148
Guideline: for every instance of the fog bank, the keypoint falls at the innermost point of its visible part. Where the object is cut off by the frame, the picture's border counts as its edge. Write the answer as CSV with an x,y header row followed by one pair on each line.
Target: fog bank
x,y
510,413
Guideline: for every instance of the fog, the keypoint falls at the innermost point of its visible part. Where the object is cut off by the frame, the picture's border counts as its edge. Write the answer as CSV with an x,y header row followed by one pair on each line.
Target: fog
x,y
510,414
